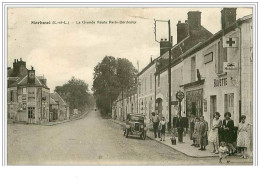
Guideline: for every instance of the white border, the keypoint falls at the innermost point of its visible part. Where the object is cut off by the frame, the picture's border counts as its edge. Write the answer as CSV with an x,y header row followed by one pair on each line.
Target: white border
x,y
116,178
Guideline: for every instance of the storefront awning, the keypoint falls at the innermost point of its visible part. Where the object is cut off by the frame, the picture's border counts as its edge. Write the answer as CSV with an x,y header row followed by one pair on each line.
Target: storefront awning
x,y
193,84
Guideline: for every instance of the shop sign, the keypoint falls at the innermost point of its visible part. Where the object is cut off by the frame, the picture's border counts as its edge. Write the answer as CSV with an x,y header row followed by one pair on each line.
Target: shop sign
x,y
220,82
24,98
230,66
208,57
31,104
24,106
174,102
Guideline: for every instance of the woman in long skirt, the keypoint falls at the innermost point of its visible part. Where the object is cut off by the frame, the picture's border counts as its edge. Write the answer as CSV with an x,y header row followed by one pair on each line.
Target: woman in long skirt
x,y
213,133
228,132
196,132
203,137
243,138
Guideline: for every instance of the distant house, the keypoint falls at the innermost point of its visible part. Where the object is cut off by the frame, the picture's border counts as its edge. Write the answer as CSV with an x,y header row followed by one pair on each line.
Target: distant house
x,y
54,107
63,108
27,95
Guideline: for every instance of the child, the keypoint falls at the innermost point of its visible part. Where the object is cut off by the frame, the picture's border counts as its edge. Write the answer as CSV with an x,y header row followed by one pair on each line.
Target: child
x,y
223,152
162,127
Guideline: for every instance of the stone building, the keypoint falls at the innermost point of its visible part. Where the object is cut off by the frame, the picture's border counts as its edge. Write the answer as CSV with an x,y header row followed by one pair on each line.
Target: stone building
x,y
27,95
59,108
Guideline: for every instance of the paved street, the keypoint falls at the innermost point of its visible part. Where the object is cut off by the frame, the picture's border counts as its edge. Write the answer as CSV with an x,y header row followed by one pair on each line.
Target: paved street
x,y
91,141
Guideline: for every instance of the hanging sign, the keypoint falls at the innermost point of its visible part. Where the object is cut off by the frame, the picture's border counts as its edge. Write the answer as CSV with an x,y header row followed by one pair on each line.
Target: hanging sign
x,y
179,95
230,42
230,66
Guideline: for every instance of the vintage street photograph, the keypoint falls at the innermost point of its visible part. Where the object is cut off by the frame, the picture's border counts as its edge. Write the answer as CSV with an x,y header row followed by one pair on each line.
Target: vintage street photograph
x,y
130,85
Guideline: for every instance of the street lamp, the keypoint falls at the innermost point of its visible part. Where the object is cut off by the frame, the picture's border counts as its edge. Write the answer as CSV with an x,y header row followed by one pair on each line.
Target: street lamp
x,y
169,65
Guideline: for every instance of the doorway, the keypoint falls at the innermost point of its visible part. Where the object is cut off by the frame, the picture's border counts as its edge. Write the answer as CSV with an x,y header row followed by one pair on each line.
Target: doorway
x,y
213,107
31,115
159,106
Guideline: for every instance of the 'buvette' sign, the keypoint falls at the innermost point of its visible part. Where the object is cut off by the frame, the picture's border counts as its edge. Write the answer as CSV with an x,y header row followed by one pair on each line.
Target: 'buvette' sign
x,y
220,82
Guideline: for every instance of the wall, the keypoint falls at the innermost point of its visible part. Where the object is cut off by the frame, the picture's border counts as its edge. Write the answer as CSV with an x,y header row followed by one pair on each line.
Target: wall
x,y
146,97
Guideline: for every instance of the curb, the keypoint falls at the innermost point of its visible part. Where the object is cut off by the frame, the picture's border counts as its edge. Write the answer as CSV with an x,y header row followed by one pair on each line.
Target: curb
x,y
179,150
80,117
168,145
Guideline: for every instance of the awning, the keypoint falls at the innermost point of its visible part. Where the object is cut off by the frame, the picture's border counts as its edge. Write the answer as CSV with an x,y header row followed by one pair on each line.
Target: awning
x,y
193,84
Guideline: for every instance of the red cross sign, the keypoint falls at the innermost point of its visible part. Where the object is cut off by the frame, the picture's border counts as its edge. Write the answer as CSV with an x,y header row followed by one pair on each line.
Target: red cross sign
x,y
230,41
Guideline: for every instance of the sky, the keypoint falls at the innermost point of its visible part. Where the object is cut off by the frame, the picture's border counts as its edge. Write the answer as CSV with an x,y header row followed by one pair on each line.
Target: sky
x,y
60,51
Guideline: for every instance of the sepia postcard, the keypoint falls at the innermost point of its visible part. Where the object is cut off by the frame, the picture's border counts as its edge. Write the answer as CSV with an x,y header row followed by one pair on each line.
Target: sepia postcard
x,y
129,85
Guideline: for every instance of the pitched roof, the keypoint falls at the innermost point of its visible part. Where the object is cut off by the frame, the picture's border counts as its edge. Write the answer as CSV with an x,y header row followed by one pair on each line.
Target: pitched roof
x,y
201,45
196,37
57,98
52,102
23,81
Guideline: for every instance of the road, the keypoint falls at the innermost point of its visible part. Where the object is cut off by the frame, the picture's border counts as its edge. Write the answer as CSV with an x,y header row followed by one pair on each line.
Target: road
x,y
90,141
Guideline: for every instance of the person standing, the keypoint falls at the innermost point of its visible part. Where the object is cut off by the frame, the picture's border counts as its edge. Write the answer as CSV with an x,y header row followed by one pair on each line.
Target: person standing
x,y
180,128
203,137
196,132
243,138
162,126
213,133
228,132
155,120
191,125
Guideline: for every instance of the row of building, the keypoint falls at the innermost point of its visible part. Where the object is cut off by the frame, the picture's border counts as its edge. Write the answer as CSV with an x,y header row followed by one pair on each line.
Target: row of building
x,y
29,99
214,71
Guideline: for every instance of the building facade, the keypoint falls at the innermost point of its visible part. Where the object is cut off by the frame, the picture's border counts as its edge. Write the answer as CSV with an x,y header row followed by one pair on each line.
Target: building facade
x,y
215,71
59,108
216,74
27,95
146,90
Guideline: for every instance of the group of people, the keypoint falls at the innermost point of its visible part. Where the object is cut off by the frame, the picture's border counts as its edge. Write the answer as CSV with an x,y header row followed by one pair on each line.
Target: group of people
x,y
222,135
159,126
198,132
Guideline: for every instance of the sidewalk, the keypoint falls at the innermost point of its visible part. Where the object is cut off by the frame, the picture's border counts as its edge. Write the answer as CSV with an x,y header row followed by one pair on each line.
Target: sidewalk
x,y
184,148
65,121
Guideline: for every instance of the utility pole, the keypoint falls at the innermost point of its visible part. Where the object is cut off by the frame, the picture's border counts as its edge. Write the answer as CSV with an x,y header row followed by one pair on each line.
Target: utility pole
x,y
169,76
169,65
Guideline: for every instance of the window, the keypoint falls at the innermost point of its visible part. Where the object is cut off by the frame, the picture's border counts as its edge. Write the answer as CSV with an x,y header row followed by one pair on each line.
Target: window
x,y
12,95
229,103
222,57
193,69
24,90
145,85
151,80
159,80
31,112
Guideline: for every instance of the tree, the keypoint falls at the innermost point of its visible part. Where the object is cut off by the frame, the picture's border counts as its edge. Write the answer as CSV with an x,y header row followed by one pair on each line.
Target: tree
x,y
111,76
76,93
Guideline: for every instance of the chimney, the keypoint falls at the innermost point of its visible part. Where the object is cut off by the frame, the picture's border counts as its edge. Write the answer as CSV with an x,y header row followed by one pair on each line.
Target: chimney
x,y
228,17
182,31
164,46
194,20
151,59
